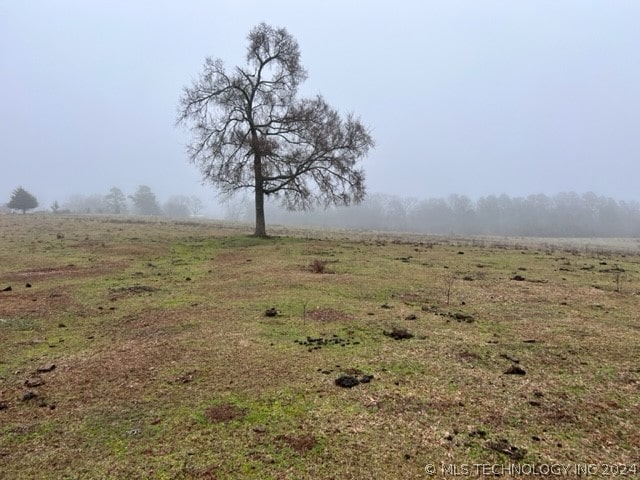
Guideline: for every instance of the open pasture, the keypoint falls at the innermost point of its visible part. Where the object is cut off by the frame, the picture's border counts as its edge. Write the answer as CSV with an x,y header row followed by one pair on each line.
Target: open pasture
x,y
139,349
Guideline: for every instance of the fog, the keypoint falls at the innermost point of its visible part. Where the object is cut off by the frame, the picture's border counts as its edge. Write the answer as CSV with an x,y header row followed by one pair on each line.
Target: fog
x,y
462,97
563,215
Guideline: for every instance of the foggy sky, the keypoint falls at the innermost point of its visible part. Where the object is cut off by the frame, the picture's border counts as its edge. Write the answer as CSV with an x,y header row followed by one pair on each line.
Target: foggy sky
x,y
471,97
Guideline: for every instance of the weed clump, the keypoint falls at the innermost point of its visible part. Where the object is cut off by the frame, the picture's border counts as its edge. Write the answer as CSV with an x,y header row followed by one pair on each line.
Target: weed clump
x,y
319,266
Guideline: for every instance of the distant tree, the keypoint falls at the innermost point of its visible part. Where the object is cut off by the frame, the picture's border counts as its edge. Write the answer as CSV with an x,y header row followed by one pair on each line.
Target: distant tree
x,y
116,201
433,215
250,131
195,205
22,200
364,215
85,204
463,212
144,201
55,207
177,206
237,209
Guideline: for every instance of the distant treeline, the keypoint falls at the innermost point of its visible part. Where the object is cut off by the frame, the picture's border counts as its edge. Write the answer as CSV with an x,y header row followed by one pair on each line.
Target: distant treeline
x,y
561,215
142,202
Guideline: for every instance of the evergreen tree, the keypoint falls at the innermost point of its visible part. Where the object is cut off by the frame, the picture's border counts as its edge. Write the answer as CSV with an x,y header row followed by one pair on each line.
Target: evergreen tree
x,y
22,200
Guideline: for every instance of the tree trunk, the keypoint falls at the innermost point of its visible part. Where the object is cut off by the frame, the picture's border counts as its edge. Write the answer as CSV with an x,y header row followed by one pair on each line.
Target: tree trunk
x,y
261,229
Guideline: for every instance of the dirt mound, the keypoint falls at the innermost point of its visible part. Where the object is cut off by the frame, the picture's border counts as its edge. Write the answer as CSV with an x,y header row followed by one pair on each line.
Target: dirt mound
x,y
349,381
398,333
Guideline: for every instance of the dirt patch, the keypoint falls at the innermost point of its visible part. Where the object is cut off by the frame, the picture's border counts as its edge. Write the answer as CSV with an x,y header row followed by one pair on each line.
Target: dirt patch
x,y
224,413
232,257
41,304
58,271
42,272
558,414
299,444
327,315
126,367
153,325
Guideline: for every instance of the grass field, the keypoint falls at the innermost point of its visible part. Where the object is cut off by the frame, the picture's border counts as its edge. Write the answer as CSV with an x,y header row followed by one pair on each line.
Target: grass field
x,y
138,349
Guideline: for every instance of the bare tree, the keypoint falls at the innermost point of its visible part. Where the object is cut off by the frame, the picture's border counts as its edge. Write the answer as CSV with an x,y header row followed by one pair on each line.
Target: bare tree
x,y
177,206
195,205
250,131
93,203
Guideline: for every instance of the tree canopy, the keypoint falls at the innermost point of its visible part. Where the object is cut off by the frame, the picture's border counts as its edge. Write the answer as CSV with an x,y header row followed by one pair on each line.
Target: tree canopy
x,y
249,130
116,201
22,200
145,202
177,206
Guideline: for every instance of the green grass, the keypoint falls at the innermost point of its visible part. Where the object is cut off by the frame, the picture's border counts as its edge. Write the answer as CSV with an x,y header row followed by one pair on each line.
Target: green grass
x,y
150,324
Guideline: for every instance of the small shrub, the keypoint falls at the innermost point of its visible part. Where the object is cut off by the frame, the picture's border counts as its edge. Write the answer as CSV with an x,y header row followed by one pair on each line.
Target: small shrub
x,y
319,266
